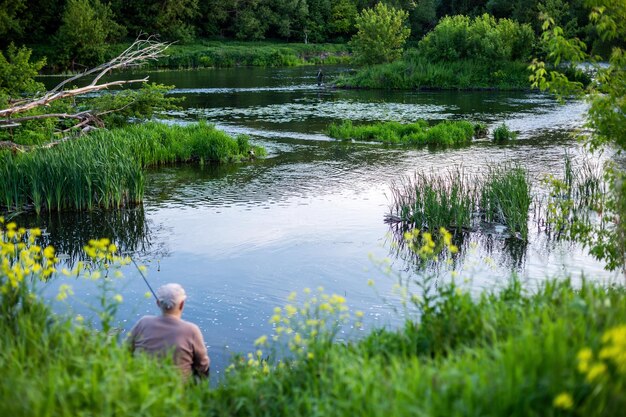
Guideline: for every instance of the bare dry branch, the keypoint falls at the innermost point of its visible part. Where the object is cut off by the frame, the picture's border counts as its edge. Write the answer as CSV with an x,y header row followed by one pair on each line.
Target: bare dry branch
x,y
140,52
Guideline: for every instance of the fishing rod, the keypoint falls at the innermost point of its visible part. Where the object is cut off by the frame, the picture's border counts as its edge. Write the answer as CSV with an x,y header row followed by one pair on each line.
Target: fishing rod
x,y
144,278
133,261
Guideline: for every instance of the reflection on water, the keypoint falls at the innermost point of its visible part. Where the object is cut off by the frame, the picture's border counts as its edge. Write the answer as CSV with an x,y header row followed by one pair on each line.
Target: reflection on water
x,y
69,232
241,238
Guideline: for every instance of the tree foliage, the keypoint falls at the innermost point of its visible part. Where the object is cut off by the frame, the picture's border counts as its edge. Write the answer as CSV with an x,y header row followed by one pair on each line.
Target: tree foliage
x,y
606,96
88,26
17,73
381,34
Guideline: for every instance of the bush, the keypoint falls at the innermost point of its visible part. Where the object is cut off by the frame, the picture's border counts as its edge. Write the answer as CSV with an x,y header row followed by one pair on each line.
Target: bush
x,y
483,38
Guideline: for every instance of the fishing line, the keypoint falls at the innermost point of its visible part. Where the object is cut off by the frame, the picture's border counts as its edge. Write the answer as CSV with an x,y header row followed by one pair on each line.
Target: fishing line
x,y
134,263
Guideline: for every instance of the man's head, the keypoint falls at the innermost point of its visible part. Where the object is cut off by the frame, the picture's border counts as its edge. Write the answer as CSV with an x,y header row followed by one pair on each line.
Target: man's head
x,y
171,298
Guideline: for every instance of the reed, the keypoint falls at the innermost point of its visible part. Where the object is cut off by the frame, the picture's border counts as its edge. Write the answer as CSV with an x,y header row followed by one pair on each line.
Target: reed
x,y
456,200
105,169
431,201
506,198
446,133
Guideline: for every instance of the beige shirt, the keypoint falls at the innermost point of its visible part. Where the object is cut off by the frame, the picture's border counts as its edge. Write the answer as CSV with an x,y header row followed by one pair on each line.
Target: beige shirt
x,y
158,335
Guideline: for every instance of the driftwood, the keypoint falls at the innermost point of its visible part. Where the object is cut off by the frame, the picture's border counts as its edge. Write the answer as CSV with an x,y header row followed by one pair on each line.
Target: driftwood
x,y
140,52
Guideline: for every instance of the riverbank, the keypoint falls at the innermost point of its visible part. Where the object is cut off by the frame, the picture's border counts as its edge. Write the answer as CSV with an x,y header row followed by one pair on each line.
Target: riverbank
x,y
414,72
227,54
553,350
106,168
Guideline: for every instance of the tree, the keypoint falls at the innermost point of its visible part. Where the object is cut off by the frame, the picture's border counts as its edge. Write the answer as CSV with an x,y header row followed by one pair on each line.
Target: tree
x,y
87,27
606,96
381,34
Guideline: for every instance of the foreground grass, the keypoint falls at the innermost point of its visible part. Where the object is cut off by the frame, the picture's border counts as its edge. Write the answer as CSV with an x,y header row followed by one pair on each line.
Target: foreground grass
x,y
106,168
554,350
415,72
419,133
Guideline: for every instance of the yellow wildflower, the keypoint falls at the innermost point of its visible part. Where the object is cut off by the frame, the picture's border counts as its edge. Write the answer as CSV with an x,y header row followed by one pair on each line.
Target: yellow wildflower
x,y
564,401
261,341
596,371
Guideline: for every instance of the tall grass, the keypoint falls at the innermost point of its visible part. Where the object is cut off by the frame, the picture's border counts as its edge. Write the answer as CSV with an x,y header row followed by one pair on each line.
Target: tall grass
x,y
576,201
419,133
506,198
431,201
105,169
456,200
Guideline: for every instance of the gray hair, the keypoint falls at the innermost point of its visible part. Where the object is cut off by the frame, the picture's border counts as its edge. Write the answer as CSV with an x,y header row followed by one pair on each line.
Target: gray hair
x,y
170,295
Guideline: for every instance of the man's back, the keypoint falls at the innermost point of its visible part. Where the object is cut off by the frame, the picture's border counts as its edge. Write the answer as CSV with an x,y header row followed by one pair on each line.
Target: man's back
x,y
158,335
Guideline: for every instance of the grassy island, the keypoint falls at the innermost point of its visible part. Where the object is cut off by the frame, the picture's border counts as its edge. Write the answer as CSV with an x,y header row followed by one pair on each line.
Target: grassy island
x,y
419,133
106,168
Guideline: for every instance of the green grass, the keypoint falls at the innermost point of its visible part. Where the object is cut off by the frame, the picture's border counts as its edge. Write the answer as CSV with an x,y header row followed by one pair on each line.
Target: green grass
x,y
415,72
419,133
502,134
429,201
506,198
501,353
106,168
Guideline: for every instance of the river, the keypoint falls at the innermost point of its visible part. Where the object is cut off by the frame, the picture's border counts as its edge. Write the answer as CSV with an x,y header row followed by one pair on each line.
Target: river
x,y
241,238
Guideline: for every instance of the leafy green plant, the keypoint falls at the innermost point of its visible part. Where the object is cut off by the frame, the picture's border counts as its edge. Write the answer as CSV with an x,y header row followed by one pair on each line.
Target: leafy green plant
x,y
606,119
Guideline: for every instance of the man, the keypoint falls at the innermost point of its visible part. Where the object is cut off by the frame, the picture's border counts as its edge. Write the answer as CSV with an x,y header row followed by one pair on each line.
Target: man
x,y
160,335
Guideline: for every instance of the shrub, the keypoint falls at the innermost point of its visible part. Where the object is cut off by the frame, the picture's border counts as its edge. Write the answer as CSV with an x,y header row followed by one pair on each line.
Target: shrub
x,y
484,37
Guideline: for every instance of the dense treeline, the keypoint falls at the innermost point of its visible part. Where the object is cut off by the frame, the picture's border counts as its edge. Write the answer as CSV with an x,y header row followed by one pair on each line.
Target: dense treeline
x,y
81,30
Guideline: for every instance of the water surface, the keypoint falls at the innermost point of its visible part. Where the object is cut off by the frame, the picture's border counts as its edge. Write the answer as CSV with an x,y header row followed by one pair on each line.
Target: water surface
x,y
241,238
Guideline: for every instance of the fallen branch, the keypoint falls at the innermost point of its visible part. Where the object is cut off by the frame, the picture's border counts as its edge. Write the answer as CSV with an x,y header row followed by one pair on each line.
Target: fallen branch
x,y
141,51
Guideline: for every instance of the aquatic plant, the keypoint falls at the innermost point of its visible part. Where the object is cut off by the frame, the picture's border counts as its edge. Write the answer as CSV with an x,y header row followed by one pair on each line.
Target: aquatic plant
x,y
105,168
446,133
502,133
506,198
431,201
